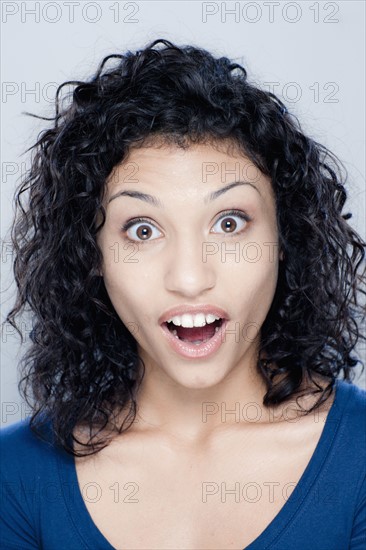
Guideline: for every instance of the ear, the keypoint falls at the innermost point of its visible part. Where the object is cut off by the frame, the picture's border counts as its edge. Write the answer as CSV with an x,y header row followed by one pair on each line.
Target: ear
x,y
282,255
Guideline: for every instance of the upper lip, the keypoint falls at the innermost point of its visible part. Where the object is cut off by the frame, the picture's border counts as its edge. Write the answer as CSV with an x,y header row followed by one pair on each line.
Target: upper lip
x,y
192,310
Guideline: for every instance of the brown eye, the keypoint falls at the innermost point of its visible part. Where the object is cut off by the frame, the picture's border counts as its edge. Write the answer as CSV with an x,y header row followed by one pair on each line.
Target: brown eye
x,y
143,232
233,221
140,230
228,225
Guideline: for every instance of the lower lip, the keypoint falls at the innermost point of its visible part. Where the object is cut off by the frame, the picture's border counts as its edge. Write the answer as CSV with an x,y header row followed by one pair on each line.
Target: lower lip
x,y
193,351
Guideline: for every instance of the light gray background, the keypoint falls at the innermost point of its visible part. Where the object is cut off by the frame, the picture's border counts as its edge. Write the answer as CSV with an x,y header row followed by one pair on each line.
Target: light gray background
x,y
312,54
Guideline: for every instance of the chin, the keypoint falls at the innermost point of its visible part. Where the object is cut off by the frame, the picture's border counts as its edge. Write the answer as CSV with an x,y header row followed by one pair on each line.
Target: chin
x,y
198,381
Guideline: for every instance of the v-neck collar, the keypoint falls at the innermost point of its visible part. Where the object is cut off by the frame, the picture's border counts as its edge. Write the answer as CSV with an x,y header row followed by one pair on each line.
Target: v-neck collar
x,y
93,537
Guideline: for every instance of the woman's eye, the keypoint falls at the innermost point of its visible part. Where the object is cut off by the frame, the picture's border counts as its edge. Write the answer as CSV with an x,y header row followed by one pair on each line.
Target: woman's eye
x,y
228,222
139,230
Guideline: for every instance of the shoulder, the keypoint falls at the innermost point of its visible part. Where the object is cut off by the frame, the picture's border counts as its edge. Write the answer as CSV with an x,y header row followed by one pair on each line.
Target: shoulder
x,y
352,401
350,445
23,450
15,432
21,433
350,413
26,463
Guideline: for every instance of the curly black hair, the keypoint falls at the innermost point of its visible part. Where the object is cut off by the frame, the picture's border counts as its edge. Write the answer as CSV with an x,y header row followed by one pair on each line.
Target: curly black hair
x,y
82,366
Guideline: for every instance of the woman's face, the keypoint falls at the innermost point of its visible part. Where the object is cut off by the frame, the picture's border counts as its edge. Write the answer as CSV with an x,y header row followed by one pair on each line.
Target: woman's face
x,y
190,250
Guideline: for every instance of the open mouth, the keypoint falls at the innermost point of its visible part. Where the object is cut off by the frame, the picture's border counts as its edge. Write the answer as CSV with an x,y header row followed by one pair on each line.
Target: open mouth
x,y
195,335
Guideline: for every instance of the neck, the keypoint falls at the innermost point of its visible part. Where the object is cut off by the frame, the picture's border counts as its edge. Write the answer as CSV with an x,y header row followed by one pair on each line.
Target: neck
x,y
165,406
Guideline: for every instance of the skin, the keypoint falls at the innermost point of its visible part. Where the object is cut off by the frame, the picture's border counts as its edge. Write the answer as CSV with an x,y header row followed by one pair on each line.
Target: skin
x,y
170,271
170,452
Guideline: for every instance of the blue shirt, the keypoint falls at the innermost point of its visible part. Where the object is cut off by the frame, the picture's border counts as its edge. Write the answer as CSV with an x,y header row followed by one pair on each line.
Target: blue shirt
x,y
42,506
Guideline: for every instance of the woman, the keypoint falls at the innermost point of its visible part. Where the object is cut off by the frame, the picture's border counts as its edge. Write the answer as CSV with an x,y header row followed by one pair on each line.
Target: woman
x,y
194,288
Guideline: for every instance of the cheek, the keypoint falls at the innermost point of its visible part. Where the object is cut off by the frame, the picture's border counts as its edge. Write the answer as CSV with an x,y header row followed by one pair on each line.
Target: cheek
x,y
256,280
130,289
252,281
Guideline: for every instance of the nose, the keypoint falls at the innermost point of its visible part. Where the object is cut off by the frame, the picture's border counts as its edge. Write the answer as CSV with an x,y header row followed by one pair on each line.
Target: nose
x,y
186,273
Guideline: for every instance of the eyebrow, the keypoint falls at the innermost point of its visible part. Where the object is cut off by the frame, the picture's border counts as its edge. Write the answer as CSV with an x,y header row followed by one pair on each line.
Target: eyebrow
x,y
156,202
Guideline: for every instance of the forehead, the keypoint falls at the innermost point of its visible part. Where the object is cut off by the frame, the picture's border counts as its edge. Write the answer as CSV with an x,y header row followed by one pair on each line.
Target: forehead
x,y
183,149
213,164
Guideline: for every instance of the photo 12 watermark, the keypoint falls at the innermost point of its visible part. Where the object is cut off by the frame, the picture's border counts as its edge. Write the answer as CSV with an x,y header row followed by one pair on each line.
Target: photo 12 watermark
x,y
292,92
251,413
268,491
71,12
50,491
270,12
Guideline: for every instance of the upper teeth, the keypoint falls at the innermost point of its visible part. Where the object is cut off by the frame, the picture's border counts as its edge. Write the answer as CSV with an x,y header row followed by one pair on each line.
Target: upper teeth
x,y
198,320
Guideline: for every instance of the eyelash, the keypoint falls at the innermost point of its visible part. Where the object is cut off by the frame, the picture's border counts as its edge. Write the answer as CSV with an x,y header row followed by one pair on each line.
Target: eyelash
x,y
227,213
